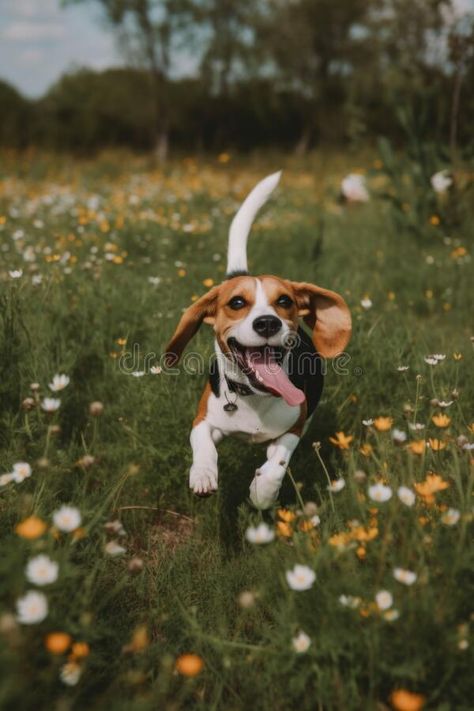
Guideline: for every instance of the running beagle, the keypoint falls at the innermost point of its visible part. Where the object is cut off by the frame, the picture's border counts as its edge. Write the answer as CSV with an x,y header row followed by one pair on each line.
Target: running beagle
x,y
267,376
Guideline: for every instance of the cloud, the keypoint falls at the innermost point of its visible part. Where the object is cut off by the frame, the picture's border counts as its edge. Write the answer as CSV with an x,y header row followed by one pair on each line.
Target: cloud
x,y
30,31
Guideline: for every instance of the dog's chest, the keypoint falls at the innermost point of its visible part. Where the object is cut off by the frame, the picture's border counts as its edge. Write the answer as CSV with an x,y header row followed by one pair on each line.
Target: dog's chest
x,y
256,419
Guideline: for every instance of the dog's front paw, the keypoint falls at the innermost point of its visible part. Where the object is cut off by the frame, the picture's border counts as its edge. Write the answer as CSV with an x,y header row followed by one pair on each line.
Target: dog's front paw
x,y
266,485
203,482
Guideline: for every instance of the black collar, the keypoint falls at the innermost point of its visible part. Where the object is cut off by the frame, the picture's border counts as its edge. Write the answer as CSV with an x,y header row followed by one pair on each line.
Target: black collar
x,y
239,388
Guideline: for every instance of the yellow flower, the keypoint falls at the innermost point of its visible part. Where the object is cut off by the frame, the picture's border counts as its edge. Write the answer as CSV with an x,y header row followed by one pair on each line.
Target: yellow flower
x,y
140,640
181,272
57,642
471,427
189,665
364,534
417,446
361,552
80,650
223,157
458,252
208,282
437,444
403,700
286,515
434,220
366,449
457,356
432,484
31,528
284,529
340,539
391,296
441,420
341,440
383,424
121,341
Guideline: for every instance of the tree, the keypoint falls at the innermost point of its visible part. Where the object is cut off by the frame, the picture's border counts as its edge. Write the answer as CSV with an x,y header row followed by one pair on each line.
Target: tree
x,y
147,31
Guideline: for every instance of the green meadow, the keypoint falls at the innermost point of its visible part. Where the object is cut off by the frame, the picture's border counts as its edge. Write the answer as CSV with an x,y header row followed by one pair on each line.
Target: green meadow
x,y
149,598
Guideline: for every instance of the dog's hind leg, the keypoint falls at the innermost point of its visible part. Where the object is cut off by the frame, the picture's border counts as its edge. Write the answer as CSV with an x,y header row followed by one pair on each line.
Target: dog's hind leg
x,y
268,478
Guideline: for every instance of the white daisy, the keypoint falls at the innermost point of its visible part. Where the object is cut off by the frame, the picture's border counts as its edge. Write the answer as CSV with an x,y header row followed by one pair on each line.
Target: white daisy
x,y
354,189
113,548
407,577
402,368
444,403
301,642
138,373
67,518
21,471
367,423
384,599
416,426
350,601
391,615
31,608
399,436
50,404
16,273
380,492
70,673
451,517
156,370
302,577
259,534
337,485
441,181
6,479
406,495
60,381
431,360
41,570
366,303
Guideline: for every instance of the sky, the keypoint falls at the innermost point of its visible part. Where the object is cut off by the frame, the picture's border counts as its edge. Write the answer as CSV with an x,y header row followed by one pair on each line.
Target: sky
x,y
39,40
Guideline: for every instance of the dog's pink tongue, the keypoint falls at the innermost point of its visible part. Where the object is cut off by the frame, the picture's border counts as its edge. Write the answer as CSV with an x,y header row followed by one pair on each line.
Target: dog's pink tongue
x,y
273,377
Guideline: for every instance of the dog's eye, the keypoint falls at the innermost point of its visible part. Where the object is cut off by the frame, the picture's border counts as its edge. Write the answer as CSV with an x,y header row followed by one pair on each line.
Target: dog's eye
x,y
284,301
237,302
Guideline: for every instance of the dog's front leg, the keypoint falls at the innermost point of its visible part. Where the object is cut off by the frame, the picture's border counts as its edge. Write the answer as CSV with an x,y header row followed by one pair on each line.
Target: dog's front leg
x,y
203,473
268,478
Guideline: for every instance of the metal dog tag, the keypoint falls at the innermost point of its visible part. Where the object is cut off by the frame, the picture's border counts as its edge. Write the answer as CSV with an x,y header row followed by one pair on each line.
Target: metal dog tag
x,y
230,407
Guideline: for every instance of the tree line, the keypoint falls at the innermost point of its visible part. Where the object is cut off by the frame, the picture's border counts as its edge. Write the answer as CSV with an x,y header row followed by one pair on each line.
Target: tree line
x,y
287,73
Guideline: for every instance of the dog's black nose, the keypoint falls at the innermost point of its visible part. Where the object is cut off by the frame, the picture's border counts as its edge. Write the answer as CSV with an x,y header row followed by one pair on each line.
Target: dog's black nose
x,y
267,325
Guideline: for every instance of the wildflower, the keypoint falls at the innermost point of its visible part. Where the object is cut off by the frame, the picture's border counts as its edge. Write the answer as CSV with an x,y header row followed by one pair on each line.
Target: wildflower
x,y
208,282
259,534
430,360
286,515
399,436
441,420
70,673
59,382
41,570
341,440
451,517
67,518
367,423
432,485
434,220
457,356
284,529
140,640
301,642
96,408
441,181
50,404
403,700
246,599
32,608
21,471
301,577
337,485
416,426
80,650
154,280
437,444
417,446
189,665
391,615
135,564
113,548
366,449
366,303
31,528
156,370
350,601
5,479
353,188
86,461
406,495
57,642
115,527
383,424
403,368
360,476
407,577
384,599
138,373
16,273
28,403
380,492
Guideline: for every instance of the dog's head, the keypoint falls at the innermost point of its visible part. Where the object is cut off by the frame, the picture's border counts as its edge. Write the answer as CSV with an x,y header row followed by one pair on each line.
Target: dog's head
x,y
255,319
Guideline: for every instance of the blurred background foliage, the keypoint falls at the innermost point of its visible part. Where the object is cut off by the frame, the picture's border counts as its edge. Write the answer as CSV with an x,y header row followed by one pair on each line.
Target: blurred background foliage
x,y
289,73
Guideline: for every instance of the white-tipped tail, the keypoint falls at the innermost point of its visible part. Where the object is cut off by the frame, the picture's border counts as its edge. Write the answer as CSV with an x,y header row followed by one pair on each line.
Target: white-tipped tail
x,y
242,222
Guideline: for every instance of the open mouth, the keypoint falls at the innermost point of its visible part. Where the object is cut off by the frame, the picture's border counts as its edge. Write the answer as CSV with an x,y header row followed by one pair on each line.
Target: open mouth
x,y
263,367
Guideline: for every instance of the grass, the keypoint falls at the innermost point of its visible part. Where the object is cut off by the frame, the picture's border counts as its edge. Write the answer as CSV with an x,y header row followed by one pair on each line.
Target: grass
x,y
96,232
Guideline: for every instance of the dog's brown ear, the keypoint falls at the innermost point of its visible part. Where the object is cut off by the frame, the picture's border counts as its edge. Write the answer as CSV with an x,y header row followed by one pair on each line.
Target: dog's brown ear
x,y
204,309
327,314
